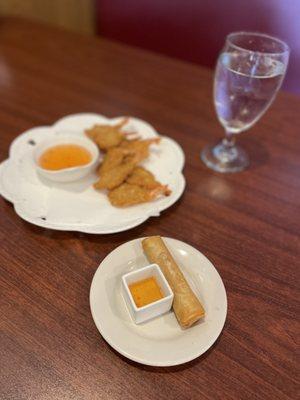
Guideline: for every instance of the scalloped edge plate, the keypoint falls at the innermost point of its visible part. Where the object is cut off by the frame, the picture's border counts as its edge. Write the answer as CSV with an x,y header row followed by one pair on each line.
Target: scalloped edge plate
x,y
76,123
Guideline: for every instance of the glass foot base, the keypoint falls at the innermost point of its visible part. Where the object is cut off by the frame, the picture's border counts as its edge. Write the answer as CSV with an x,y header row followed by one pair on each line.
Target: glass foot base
x,y
224,158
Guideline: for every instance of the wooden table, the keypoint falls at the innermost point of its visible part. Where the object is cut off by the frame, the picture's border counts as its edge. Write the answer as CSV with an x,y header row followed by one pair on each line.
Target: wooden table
x,y
246,223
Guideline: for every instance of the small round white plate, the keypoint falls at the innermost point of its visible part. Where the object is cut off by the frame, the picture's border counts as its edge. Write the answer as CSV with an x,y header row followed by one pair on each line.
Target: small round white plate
x,y
76,206
160,342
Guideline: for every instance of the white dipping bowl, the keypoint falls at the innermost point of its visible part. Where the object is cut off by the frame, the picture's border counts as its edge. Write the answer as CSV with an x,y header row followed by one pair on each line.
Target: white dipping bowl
x,y
152,310
67,174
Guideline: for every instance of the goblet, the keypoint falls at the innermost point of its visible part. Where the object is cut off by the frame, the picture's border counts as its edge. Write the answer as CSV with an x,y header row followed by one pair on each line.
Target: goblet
x,y
249,72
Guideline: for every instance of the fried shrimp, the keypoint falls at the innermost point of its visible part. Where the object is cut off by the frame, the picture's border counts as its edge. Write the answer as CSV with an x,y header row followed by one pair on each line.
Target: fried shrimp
x,y
142,177
120,174
108,136
129,195
140,147
116,176
112,159
118,164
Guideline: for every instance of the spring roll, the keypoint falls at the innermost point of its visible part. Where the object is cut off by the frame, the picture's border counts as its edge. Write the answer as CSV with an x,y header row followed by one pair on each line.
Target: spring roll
x,y
186,305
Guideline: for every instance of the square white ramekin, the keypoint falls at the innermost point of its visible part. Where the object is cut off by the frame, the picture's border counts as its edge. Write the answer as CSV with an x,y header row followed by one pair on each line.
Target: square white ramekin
x,y
159,307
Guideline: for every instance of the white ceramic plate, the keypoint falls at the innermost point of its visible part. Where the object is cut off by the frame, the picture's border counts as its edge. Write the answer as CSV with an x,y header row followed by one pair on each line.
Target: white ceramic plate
x,y
76,206
160,342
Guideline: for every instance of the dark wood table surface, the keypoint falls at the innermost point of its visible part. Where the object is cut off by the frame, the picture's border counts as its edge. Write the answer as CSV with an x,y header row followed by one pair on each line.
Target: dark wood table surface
x,y
247,224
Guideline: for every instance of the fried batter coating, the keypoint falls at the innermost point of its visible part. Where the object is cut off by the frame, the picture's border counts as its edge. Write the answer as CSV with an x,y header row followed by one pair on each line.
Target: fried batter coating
x,y
140,147
142,177
129,195
108,136
116,176
118,164
119,173
112,159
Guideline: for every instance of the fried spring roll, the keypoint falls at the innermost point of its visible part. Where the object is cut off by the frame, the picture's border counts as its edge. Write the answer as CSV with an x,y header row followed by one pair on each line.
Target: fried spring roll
x,y
186,305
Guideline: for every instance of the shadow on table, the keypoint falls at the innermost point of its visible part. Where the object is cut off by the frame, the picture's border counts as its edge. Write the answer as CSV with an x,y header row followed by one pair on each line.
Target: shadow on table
x,y
257,151
176,368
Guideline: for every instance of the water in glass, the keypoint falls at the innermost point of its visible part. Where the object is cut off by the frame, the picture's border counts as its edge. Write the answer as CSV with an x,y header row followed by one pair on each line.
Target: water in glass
x,y
244,88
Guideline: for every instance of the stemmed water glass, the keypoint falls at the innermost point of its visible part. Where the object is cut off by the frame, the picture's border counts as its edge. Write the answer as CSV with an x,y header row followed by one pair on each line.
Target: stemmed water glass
x,y
249,72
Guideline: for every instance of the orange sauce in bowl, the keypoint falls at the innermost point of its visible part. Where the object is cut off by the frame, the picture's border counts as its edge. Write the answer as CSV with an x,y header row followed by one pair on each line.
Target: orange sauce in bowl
x,y
64,156
145,291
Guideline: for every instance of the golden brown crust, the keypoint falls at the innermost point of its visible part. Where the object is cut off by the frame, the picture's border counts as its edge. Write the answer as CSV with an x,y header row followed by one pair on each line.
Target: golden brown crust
x,y
128,184
140,147
128,195
115,177
142,177
186,305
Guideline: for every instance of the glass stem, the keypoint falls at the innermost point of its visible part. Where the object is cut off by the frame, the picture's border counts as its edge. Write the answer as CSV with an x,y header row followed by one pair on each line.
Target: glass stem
x,y
229,140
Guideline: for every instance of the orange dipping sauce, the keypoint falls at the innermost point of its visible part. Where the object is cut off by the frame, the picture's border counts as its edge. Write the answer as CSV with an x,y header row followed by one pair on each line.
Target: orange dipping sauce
x,y
145,291
64,156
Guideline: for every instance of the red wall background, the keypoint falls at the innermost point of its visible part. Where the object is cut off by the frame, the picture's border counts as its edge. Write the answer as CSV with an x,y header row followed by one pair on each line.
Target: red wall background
x,y
194,30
